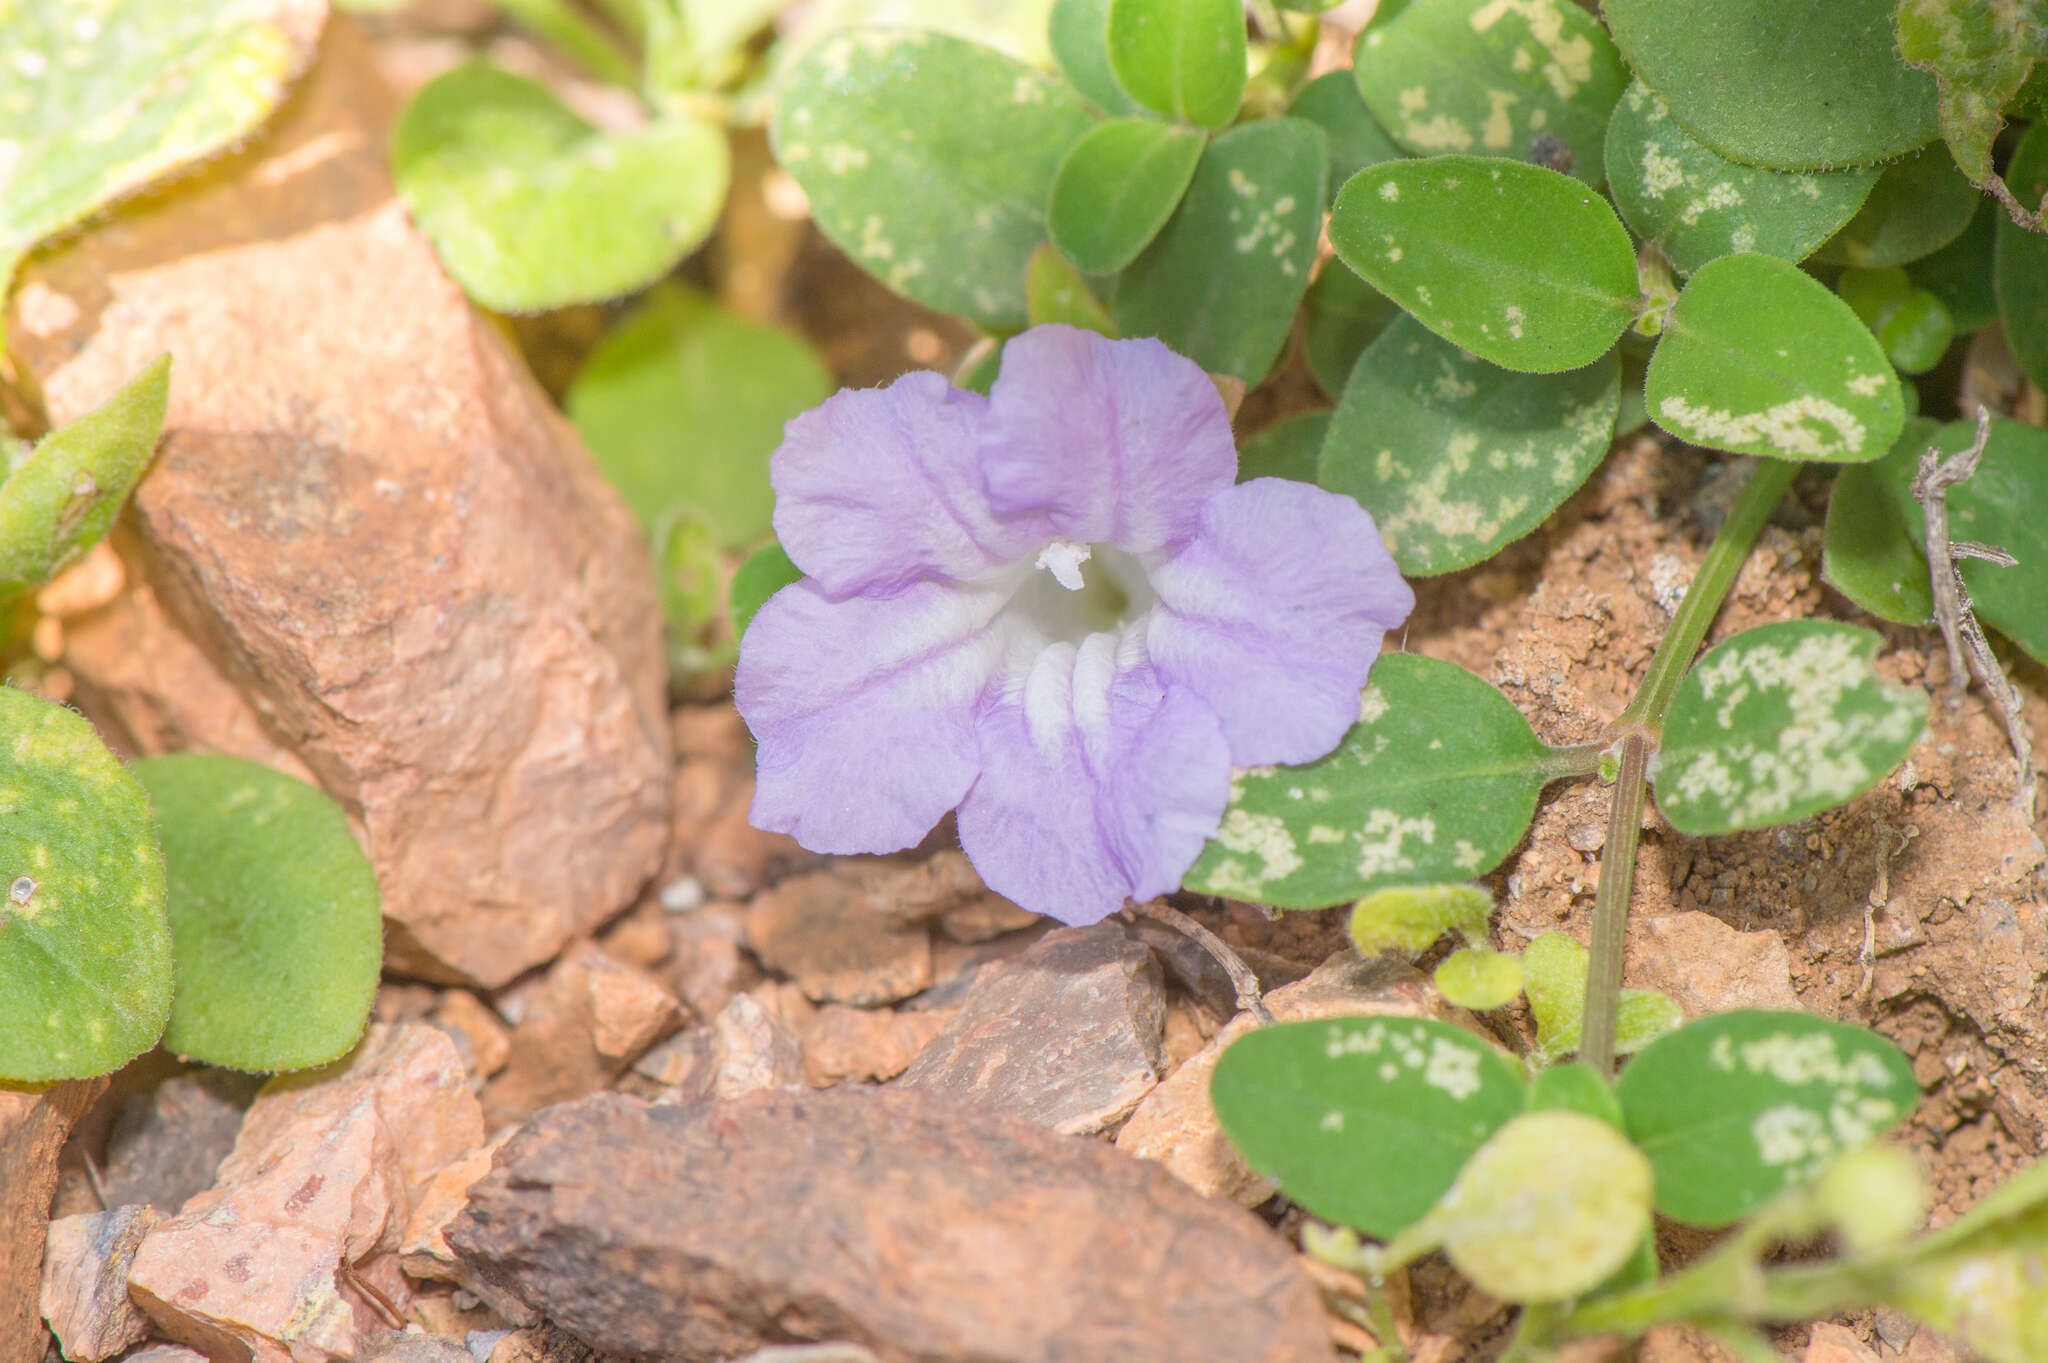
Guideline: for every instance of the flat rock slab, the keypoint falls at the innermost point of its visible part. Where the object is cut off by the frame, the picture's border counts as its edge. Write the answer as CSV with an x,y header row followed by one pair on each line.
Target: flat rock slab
x,y
1068,1035
369,550
915,1227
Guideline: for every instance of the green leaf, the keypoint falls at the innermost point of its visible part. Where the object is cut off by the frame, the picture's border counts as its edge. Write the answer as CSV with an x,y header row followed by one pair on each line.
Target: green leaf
x,y
1959,274
1980,1277
1181,58
1117,187
1759,358
683,402
1455,457
1789,86
1696,205
1410,918
690,581
1285,449
2020,263
1910,323
1871,552
1331,102
274,912
1575,1087
62,499
85,948
1079,34
1778,723
1365,1121
1519,265
1436,782
1055,292
1478,978
100,100
1550,1207
530,207
1341,316
766,571
1531,80
1554,977
1979,52
1735,1109
1919,205
928,160
1221,281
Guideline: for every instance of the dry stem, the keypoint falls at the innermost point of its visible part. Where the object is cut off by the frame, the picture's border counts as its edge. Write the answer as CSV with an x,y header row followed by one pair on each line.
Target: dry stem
x,y
1241,976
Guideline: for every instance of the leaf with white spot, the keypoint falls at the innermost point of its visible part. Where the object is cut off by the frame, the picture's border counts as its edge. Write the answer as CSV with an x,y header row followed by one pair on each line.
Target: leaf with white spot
x,y
1520,265
1696,205
98,99
1331,102
1980,53
1365,1121
1221,281
1779,723
1550,1207
85,947
1285,449
1760,358
1919,204
1181,58
1554,973
273,909
1436,782
1735,1109
928,160
1870,554
1980,1278
1117,187
1532,80
2019,272
1790,86
1455,457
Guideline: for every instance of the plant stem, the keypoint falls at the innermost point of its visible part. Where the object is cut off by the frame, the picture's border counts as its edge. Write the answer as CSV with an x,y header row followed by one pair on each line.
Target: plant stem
x,y
1610,906
589,44
1702,601
1573,759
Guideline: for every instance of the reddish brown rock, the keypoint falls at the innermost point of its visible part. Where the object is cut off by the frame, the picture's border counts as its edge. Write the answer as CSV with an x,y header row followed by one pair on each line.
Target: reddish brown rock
x,y
166,1353
85,1281
1837,1344
589,1020
708,962
714,782
1708,967
167,1142
422,1252
480,1034
34,1125
862,1044
640,936
752,1049
824,932
386,551
1067,1035
902,1223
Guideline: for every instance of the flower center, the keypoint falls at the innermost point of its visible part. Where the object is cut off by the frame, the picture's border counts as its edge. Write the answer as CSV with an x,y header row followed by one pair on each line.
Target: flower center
x,y
1062,604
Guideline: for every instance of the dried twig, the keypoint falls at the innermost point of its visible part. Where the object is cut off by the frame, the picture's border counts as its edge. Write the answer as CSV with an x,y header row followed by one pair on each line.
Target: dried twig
x,y
92,1176
1952,613
373,1294
1241,976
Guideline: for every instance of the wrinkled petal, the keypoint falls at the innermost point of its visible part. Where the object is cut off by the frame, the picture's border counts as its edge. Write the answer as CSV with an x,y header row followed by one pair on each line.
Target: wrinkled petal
x,y
1273,613
878,488
864,711
1097,784
1110,441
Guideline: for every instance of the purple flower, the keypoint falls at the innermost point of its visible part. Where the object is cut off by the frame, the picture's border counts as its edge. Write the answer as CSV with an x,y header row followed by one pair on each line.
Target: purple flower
x,y
1053,610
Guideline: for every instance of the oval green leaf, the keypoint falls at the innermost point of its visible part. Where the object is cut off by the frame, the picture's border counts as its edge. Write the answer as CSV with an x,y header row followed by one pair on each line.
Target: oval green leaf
x,y
1455,457
1959,274
1531,80
1478,978
1780,722
1332,103
1221,282
1078,31
1554,969
1055,292
1409,918
928,160
1341,316
683,402
1117,187
85,947
1181,58
1365,1121
1920,204
1285,449
1436,782
64,496
1696,205
1870,552
766,571
1760,358
1736,1109
274,912
2019,271
1522,266
1575,1087
1789,86
530,207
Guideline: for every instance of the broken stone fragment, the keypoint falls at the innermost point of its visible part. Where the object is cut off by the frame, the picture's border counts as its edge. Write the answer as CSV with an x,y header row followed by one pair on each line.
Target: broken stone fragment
x,y
480,1034
167,1142
823,931
33,1129
865,1045
1067,1035
422,1253
902,1223
85,1282
752,1050
589,1020
386,560
1706,967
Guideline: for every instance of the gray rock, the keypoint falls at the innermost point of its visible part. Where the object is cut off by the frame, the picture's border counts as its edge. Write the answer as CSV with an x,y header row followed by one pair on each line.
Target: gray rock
x,y
166,1143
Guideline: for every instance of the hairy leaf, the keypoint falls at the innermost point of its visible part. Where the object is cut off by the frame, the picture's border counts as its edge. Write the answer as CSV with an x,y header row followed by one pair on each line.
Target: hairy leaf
x,y
1117,187
1181,58
1979,52
1919,205
2020,262
1331,102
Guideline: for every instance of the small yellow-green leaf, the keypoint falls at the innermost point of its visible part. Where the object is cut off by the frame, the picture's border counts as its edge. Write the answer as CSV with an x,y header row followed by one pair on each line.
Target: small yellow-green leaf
x,y
1078,31
1478,978
1778,723
1055,292
1554,978
1181,58
1522,266
1410,918
1760,358
1919,204
1117,187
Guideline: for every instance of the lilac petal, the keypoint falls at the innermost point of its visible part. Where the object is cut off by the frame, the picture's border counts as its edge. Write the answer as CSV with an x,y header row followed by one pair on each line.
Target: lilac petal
x,y
1114,441
864,711
1273,614
877,488
1097,784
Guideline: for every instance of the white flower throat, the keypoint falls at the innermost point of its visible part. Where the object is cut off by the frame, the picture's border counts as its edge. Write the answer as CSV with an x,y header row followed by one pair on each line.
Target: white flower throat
x,y
1062,603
